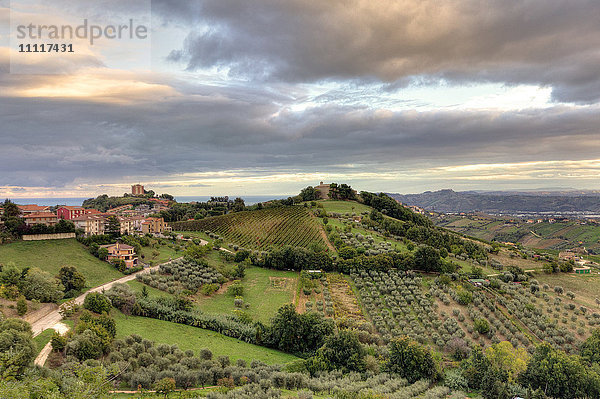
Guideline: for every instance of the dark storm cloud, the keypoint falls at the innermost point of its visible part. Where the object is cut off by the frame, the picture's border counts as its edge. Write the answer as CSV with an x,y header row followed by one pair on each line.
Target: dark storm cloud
x,y
54,142
545,42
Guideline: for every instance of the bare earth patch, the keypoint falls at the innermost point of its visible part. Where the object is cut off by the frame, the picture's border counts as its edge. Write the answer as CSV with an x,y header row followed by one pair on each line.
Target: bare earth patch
x,y
280,283
345,303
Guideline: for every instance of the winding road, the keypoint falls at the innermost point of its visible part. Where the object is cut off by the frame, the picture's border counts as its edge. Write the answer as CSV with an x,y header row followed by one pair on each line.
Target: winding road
x,y
53,318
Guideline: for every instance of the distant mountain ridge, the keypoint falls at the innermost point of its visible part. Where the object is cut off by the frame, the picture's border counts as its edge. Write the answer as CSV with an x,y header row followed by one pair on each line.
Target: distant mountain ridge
x,y
504,201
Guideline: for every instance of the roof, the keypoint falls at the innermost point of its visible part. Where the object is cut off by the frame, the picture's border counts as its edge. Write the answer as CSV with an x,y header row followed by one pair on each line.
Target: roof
x,y
39,215
32,207
119,245
70,207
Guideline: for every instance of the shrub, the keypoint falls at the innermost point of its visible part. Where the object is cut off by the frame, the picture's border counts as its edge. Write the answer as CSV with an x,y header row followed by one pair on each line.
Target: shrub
x,y
71,279
236,289
558,289
238,302
97,303
21,306
455,380
40,285
209,289
481,326
58,342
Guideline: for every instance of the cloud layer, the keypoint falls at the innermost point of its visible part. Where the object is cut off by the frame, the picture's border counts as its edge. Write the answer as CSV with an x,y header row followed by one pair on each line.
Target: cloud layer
x,y
300,89
550,42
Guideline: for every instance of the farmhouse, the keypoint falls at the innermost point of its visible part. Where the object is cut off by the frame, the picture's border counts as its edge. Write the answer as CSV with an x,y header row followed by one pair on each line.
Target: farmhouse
x,y
123,252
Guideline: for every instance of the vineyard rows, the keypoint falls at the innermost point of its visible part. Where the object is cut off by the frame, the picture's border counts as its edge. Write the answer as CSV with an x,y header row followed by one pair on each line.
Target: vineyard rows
x,y
261,229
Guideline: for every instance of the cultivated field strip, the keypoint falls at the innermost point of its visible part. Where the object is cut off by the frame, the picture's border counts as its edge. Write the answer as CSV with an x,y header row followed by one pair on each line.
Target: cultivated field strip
x,y
261,229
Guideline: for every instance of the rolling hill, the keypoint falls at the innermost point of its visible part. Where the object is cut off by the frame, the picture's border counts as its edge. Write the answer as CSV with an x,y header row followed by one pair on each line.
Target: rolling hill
x,y
261,229
450,201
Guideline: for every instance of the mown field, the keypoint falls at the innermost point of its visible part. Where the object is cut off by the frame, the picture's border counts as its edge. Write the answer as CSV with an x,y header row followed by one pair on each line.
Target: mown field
x,y
160,254
51,255
344,207
585,286
265,291
261,229
187,337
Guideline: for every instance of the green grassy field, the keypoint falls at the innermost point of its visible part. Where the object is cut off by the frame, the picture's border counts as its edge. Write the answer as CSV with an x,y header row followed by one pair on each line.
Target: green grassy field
x,y
344,206
215,259
265,291
51,255
152,292
585,286
187,337
164,254
195,234
544,235
377,238
42,339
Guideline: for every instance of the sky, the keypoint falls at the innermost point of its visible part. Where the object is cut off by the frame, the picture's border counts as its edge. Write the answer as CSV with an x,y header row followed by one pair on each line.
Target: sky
x,y
269,96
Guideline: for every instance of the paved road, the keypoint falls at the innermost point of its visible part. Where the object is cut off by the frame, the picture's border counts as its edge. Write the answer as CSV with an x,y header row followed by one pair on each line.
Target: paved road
x,y
53,318
41,358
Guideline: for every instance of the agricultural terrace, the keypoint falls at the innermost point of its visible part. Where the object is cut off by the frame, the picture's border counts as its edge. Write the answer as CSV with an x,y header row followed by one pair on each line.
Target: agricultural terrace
x,y
356,236
435,312
264,292
261,229
51,255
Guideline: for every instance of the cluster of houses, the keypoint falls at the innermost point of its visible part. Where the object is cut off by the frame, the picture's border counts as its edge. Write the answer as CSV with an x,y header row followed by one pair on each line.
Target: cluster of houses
x,y
93,222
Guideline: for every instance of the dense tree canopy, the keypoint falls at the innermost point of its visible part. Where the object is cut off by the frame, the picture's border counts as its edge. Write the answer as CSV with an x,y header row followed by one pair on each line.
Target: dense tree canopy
x,y
298,333
17,349
411,360
560,375
342,351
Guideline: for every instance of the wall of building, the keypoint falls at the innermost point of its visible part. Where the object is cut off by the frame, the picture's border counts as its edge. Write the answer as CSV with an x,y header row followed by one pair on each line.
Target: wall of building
x,y
39,237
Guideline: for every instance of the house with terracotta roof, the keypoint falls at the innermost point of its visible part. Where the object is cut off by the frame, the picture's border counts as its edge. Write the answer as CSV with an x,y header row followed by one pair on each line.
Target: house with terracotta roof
x,y
72,212
46,218
160,201
32,208
123,252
